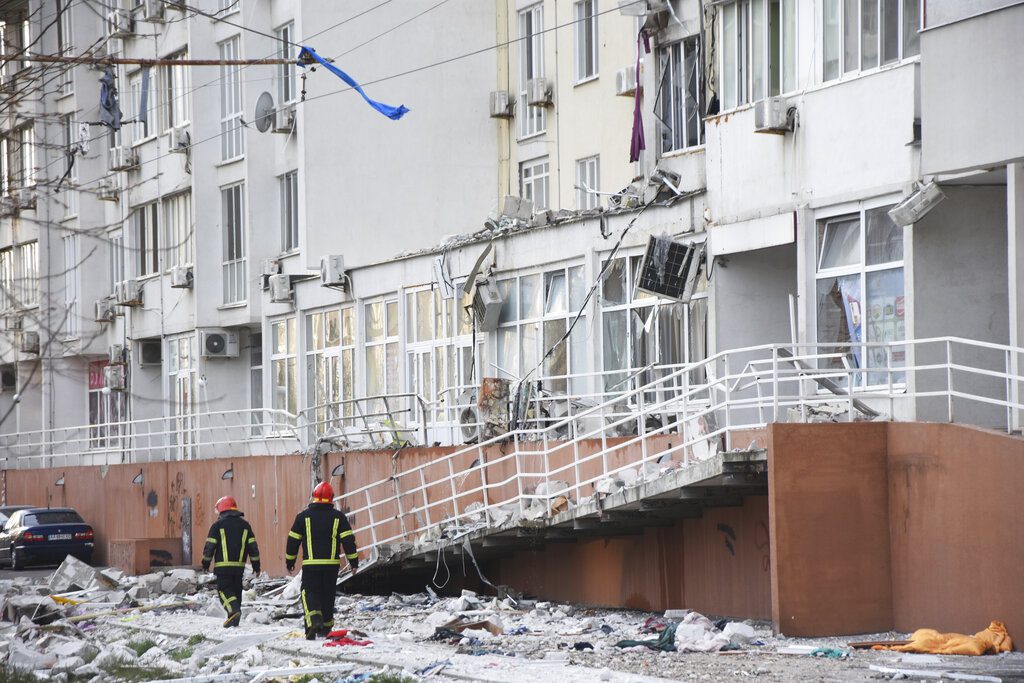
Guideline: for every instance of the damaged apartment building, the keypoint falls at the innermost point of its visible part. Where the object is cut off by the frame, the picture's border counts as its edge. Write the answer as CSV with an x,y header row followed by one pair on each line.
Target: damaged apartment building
x,y
679,225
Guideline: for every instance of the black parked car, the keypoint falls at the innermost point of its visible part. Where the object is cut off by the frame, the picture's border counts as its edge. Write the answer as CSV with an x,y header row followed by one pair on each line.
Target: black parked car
x,y
45,535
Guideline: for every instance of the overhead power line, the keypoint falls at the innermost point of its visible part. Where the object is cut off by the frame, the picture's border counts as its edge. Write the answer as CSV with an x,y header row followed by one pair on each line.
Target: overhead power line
x,y
137,61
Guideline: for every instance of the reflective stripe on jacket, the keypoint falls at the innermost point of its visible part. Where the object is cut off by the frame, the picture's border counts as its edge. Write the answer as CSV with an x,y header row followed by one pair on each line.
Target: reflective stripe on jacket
x,y
322,531
231,542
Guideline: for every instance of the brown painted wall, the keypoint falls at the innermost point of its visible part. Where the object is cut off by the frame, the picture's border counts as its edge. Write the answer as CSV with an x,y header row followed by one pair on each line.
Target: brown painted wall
x,y
829,512
956,498
687,565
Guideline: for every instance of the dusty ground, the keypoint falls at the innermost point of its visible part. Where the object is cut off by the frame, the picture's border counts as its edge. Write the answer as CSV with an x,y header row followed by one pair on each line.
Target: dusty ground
x,y
535,643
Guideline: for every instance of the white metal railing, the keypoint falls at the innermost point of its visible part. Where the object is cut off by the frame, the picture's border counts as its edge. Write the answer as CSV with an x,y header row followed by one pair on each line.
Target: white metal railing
x,y
179,437
686,414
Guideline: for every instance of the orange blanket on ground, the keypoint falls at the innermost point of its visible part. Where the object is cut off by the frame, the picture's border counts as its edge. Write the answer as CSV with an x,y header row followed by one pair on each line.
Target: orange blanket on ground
x,y
929,641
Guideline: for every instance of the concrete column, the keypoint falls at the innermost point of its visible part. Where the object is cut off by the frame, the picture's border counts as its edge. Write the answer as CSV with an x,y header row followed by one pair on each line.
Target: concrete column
x,y
1015,280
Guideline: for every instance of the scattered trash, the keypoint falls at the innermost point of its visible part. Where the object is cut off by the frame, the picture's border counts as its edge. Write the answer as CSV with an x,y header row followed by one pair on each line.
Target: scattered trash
x,y
830,652
583,645
339,638
993,639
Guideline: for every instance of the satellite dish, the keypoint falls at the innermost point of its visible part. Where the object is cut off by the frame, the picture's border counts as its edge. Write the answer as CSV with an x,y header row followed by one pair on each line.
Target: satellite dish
x,y
264,112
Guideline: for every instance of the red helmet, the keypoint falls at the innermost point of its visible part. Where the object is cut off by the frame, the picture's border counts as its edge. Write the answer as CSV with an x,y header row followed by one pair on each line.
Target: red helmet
x,y
323,493
226,503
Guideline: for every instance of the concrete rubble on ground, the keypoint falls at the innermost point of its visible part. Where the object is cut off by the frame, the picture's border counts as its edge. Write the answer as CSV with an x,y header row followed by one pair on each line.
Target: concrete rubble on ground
x,y
100,629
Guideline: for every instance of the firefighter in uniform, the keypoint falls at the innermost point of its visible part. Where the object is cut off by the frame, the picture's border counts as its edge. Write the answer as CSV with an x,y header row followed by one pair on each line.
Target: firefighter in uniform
x,y
323,532
228,544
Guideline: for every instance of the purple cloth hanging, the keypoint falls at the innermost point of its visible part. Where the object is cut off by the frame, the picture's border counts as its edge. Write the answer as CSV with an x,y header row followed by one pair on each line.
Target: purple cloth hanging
x,y
636,142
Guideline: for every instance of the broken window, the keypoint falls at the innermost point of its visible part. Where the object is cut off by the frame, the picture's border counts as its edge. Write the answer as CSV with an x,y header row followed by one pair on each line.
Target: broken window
x,y
439,354
380,327
860,294
539,308
330,359
105,408
758,50
679,104
533,177
862,34
588,183
640,329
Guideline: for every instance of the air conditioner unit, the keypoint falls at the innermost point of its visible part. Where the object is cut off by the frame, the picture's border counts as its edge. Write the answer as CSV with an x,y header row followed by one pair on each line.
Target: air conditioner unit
x,y
123,158
151,353
12,323
7,206
218,344
116,354
486,305
108,191
128,293
625,81
913,208
120,24
179,140
104,311
24,198
8,380
538,92
181,277
115,377
284,119
29,342
772,116
280,289
268,267
332,271
502,104
469,416
153,11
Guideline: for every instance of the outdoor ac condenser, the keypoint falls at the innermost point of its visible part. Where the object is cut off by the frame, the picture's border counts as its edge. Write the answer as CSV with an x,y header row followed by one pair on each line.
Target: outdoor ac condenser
x,y
486,305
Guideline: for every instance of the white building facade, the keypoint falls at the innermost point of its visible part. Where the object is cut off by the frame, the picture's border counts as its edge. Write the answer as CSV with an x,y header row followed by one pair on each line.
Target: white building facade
x,y
180,277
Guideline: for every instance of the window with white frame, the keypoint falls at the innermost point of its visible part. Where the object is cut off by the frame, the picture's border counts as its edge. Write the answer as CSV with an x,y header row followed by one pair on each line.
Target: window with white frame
x,y
71,275
680,100
117,273
588,183
5,164
142,129
289,192
256,381
26,274
145,230
233,218
758,55
232,133
175,98
533,177
179,229
330,365
640,329
25,173
439,350
380,340
859,35
106,408
65,41
585,17
181,366
70,183
287,80
284,378
536,312
860,292
7,280
531,65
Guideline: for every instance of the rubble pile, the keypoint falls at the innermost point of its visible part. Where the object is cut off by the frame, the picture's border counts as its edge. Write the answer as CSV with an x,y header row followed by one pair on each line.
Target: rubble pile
x,y
86,625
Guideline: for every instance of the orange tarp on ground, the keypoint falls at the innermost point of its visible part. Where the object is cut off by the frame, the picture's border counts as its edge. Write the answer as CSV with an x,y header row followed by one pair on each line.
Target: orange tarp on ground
x,y
929,641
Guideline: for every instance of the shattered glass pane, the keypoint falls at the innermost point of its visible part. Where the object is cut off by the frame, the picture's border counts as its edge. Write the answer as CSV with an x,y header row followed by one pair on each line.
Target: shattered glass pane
x,y
615,336
578,356
613,289
508,351
577,288
529,335
374,321
332,328
698,338
510,301
840,316
557,362
884,239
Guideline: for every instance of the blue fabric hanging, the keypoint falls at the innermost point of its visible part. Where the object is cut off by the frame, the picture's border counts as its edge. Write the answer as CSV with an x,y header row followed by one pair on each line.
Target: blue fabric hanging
x,y
393,113
110,110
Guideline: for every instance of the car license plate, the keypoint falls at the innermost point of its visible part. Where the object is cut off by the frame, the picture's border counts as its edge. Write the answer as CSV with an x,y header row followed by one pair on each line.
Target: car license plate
x,y
60,537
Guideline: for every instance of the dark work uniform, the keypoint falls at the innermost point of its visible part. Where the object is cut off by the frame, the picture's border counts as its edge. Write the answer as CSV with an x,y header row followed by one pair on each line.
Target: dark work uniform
x,y
229,543
323,532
